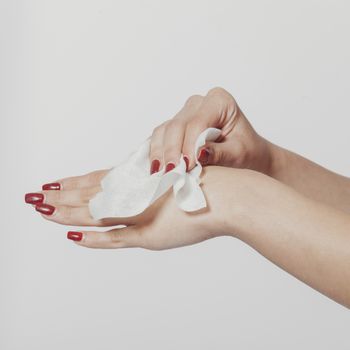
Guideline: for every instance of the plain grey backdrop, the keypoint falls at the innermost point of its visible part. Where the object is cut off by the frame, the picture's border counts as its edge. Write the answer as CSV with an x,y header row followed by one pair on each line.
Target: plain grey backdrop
x,y
82,83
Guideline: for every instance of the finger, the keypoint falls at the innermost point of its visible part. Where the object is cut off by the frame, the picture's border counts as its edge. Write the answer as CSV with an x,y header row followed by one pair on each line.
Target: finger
x,y
74,198
172,143
193,130
79,216
231,154
207,115
217,110
174,133
89,180
156,149
125,237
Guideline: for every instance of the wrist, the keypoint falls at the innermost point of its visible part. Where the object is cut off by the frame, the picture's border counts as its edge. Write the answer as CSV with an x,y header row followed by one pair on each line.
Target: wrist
x,y
246,201
233,196
277,160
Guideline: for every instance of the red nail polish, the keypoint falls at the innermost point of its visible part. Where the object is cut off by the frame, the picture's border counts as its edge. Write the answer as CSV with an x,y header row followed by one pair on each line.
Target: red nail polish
x,y
170,166
155,166
203,156
187,161
75,236
46,209
34,198
52,186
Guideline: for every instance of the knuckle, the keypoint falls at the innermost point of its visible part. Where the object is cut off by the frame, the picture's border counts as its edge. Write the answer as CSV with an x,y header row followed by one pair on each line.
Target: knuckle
x,y
195,127
175,123
155,148
114,237
57,196
173,136
220,94
95,177
66,214
222,99
47,196
217,91
158,129
86,193
194,101
71,182
52,196
171,155
155,152
90,240
193,130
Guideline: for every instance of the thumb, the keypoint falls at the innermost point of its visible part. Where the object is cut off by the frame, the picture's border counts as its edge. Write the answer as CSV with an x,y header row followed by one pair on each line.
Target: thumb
x,y
125,237
219,153
211,153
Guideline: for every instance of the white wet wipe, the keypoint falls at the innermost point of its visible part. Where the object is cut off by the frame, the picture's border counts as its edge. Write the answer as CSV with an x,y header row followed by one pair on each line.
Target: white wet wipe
x,y
128,189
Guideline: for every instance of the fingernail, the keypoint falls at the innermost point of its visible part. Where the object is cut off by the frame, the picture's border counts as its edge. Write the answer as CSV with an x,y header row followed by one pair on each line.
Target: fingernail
x,y
155,166
34,198
187,161
203,156
46,209
51,186
169,167
75,236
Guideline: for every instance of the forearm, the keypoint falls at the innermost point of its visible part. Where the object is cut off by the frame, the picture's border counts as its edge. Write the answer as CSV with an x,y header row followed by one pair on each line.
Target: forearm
x,y
304,237
309,178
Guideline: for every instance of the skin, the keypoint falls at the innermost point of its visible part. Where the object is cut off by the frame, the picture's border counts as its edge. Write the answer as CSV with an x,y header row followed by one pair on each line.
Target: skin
x,y
240,146
305,237
291,210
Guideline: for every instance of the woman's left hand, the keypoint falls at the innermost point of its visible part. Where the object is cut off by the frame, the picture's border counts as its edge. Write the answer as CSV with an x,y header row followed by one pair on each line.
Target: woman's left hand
x,y
161,226
293,231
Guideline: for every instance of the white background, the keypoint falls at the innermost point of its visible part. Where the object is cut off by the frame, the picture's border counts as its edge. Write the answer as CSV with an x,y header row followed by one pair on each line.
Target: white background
x,y
82,83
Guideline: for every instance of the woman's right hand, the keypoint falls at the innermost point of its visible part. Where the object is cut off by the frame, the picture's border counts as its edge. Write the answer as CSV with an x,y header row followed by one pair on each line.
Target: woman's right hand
x,y
238,146
163,225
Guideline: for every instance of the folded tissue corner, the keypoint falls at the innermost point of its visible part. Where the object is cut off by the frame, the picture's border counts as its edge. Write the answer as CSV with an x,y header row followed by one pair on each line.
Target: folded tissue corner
x,y
128,189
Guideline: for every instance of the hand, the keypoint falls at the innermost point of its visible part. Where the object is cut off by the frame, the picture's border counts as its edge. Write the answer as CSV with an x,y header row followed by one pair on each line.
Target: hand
x,y
161,226
291,230
238,146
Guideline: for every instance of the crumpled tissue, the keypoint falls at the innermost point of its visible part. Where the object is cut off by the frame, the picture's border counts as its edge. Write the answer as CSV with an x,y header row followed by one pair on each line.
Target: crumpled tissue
x,y
128,189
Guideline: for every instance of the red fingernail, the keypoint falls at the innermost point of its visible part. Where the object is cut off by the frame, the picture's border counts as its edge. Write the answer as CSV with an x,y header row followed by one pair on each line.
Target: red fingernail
x,y
155,166
75,236
34,198
46,209
187,161
169,167
203,156
52,186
